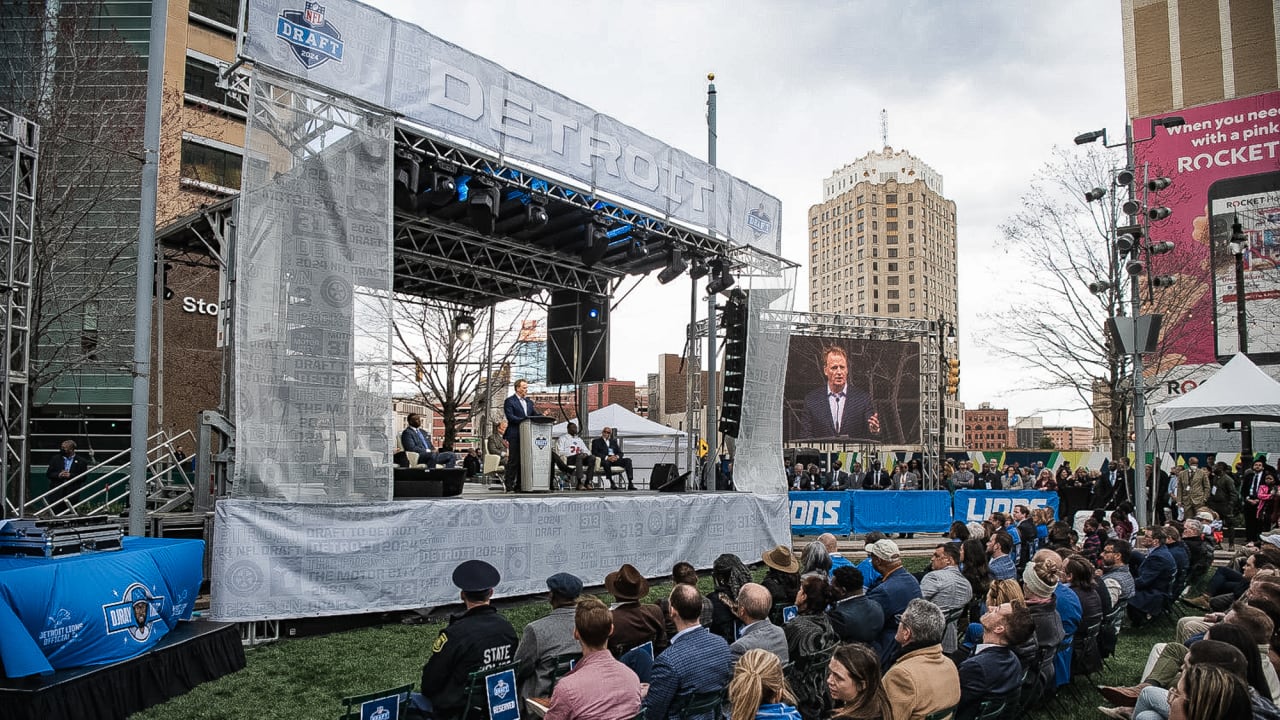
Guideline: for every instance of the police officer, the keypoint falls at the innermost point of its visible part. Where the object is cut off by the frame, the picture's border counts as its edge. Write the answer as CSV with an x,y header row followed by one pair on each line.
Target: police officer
x,y
478,639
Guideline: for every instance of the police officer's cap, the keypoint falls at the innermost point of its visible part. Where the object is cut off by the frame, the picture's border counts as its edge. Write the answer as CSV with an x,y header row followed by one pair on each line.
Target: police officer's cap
x,y
476,576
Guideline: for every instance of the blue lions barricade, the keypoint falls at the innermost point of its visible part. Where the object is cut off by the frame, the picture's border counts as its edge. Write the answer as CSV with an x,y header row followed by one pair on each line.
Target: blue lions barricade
x,y
817,512
977,505
901,511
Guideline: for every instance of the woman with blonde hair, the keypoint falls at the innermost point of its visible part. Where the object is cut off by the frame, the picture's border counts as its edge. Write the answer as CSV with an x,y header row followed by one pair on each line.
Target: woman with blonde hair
x,y
1004,591
853,680
759,691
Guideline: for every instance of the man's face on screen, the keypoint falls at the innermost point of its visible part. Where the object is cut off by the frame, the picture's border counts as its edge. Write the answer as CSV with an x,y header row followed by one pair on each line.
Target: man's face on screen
x,y
837,370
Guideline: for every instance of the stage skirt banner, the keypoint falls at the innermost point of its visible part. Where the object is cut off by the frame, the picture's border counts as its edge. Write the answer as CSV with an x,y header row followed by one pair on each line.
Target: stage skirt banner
x,y
814,513
466,99
274,560
977,505
93,609
313,299
901,511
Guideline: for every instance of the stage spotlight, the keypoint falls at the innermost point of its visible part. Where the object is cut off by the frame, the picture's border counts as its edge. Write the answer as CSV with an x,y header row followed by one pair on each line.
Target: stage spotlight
x,y
440,189
483,199
535,216
464,327
1159,213
699,269
721,279
1095,194
1131,207
1097,287
595,243
676,266
1126,242
1164,281
1124,178
1162,247
1135,267
1158,184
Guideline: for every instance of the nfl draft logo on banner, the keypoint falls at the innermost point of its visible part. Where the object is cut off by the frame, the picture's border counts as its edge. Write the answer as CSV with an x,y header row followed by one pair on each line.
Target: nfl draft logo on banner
x,y
313,39
759,222
135,613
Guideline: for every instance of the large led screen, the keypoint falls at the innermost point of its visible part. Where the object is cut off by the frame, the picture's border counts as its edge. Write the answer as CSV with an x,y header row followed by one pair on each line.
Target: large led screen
x,y
841,390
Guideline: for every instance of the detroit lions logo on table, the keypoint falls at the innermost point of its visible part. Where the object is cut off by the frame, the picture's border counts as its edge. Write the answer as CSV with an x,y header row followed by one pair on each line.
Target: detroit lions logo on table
x,y
313,39
135,613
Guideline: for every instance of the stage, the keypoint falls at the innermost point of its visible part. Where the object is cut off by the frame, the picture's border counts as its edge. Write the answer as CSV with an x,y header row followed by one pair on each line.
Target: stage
x,y
191,654
279,560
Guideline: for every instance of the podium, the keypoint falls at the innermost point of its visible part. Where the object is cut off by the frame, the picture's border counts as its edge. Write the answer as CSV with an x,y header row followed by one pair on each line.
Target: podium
x,y
535,454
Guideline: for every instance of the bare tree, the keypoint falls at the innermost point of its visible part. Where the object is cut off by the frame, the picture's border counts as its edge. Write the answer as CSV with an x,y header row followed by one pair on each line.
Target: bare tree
x,y
447,370
1078,282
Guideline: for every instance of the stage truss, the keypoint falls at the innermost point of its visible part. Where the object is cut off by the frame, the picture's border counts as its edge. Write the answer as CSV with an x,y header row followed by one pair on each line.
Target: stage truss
x,y
19,156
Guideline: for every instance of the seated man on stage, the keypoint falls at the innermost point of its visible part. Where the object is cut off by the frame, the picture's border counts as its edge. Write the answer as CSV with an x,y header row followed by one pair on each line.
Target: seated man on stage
x,y
413,439
571,455
607,448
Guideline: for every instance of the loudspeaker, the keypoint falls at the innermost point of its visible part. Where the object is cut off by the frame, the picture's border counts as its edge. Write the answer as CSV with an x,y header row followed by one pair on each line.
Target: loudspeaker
x,y
676,485
573,313
662,474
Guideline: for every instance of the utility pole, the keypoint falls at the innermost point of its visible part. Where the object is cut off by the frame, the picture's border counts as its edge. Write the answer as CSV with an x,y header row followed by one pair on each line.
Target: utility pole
x,y
713,435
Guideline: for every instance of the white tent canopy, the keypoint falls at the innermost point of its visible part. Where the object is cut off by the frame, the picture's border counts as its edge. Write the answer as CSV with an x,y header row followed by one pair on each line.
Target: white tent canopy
x,y
644,441
1239,391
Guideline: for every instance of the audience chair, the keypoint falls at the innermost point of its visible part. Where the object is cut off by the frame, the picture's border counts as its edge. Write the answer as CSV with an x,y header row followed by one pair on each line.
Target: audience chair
x,y
597,475
563,664
691,705
477,703
399,697
492,468
943,714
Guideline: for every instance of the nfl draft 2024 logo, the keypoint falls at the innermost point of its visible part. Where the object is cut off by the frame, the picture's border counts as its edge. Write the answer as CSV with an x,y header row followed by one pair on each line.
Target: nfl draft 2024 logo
x,y
135,613
759,221
313,39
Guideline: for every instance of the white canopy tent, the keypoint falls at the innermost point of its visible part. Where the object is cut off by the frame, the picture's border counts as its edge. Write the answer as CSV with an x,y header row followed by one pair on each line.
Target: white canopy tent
x,y
1239,391
647,443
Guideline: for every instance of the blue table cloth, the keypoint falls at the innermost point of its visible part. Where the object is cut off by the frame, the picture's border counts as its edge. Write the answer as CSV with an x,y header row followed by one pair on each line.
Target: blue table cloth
x,y
95,608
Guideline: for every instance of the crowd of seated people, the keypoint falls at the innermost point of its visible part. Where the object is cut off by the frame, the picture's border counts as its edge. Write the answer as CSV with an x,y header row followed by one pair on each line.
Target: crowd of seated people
x,y
988,630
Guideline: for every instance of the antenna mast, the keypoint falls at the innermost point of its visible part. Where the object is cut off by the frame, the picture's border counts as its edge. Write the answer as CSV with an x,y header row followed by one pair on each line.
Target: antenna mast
x,y
884,127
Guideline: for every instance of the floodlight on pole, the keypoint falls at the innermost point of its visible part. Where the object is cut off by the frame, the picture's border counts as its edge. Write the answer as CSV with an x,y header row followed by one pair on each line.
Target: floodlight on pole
x,y
1095,194
464,327
1164,281
1091,136
1097,287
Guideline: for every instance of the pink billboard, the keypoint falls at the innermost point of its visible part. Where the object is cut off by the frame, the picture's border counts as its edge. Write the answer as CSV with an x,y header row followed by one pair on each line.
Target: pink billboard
x,y
1218,144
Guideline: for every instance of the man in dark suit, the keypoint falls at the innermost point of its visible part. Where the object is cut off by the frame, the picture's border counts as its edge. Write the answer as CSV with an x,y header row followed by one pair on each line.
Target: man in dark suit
x,y
696,662
1154,581
413,439
517,408
876,478
838,479
64,466
989,478
994,671
836,410
855,617
607,448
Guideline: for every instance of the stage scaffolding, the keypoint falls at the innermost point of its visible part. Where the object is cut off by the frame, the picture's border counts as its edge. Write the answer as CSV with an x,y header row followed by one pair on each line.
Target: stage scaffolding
x,y
19,155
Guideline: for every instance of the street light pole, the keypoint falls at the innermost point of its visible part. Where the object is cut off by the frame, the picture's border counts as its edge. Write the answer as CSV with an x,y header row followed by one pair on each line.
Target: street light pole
x,y
1237,245
1139,393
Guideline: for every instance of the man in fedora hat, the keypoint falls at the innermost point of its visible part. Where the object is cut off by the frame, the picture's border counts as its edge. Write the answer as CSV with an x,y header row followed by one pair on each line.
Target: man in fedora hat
x,y
634,623
549,637
783,579
478,639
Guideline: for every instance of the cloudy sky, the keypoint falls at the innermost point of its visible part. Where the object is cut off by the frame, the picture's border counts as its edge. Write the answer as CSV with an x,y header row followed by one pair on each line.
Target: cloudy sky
x,y
981,91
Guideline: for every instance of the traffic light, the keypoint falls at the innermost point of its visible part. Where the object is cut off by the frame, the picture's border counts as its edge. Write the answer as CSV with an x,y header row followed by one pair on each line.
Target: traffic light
x,y
734,321
953,376
163,269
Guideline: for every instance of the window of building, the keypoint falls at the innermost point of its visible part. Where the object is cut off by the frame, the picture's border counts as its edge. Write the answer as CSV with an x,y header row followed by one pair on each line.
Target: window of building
x,y
893,252
859,199
862,282
891,226
862,294
911,197
891,239
911,293
911,224
875,225
875,307
209,166
219,11
861,227
875,294
891,197
875,211
875,252
893,280
860,252
200,83
911,265
893,294
911,209
891,212
893,267
894,307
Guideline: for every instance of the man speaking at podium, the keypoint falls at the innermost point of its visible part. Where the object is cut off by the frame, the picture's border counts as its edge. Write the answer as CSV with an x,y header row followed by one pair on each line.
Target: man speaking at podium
x,y
836,410
517,408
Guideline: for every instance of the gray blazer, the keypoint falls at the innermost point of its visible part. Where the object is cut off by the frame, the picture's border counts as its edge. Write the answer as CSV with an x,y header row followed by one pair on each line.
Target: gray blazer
x,y
764,635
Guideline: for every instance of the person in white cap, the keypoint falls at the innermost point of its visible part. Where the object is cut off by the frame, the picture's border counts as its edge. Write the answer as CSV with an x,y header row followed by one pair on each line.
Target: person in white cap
x,y
896,589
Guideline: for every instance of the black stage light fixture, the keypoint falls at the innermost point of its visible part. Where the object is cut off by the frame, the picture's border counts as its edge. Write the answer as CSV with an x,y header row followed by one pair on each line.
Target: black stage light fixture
x,y
483,198
1135,267
1158,184
1126,242
1159,213
1124,178
440,187
1162,247
535,216
721,279
1095,194
1097,287
1164,281
405,190
676,266
464,327
699,269
595,243
1131,207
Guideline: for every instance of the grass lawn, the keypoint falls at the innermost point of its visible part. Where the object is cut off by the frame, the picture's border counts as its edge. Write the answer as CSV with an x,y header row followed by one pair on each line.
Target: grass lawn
x,y
308,677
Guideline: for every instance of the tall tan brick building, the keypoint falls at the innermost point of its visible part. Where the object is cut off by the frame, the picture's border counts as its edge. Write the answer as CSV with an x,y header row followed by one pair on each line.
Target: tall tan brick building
x,y
1181,53
883,243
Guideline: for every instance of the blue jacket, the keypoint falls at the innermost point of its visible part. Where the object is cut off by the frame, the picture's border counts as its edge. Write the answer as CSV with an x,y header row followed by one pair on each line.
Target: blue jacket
x,y
892,593
777,711
991,673
1070,611
1154,581
1181,559
696,662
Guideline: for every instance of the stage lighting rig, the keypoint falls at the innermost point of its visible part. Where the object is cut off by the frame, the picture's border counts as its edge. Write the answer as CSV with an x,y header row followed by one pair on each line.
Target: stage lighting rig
x,y
676,266
699,269
595,243
483,199
721,278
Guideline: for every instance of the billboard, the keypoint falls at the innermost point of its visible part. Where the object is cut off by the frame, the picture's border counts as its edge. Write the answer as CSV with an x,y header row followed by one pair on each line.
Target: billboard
x,y
844,390
1244,218
1218,142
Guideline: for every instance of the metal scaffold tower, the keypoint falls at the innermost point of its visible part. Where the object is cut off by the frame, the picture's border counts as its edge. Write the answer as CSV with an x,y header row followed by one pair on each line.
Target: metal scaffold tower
x,y
19,154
